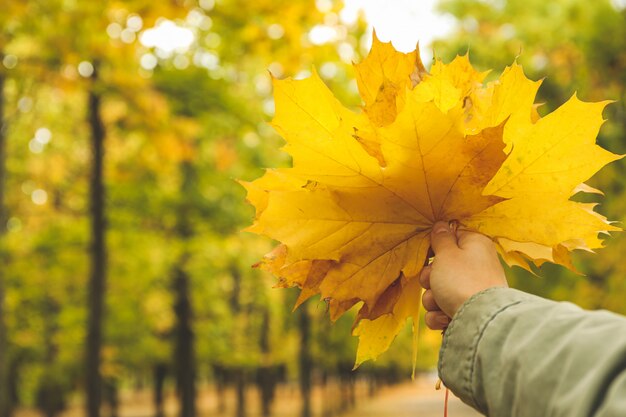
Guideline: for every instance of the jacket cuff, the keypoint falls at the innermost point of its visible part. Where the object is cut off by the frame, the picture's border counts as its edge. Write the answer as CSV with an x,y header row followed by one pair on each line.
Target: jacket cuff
x,y
457,356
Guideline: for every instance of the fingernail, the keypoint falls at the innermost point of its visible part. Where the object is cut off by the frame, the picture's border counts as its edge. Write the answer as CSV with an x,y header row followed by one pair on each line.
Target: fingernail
x,y
443,320
441,228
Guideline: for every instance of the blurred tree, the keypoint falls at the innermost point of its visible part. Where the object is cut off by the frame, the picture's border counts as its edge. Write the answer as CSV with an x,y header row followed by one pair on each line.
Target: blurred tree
x,y
98,263
4,393
306,364
229,105
108,70
184,352
163,133
51,47
8,31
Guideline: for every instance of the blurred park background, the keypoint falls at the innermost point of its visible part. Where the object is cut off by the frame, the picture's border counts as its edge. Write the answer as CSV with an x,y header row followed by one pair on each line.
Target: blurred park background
x,y
125,284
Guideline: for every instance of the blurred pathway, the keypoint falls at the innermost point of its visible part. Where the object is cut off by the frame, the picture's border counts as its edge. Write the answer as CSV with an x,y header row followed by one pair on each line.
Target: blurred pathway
x,y
410,399
419,399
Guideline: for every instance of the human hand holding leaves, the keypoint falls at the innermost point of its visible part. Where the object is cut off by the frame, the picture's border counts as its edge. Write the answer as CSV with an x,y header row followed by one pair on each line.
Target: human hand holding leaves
x,y
355,211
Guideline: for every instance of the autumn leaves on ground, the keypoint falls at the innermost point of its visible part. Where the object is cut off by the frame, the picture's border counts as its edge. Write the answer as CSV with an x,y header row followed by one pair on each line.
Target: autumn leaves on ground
x,y
355,211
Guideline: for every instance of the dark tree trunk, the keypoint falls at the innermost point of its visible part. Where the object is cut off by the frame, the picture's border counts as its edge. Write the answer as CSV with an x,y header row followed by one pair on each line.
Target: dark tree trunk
x,y
5,398
238,372
184,345
219,376
14,373
51,393
240,387
50,397
97,278
329,394
346,380
266,382
266,374
264,339
235,303
111,396
305,360
160,372
184,361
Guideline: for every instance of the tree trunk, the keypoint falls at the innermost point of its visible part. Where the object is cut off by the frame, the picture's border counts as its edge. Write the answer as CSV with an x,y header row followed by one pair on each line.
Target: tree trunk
x,y
5,398
266,384
235,295
219,376
111,396
305,360
329,393
160,372
184,345
240,387
266,373
346,381
97,277
51,392
239,372
184,361
14,373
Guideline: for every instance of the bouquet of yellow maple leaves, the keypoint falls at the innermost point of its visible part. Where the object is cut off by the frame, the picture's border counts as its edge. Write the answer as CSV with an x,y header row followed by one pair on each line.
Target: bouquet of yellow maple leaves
x,y
355,211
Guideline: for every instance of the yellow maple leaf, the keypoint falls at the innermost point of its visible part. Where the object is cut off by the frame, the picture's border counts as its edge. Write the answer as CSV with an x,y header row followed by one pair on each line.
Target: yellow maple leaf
x,y
382,80
355,211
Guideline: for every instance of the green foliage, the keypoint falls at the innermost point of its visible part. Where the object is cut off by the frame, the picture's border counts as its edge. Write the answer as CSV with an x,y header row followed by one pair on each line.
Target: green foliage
x,y
177,137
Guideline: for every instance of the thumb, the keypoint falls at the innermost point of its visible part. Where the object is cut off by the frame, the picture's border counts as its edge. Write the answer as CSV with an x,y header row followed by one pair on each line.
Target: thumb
x,y
442,238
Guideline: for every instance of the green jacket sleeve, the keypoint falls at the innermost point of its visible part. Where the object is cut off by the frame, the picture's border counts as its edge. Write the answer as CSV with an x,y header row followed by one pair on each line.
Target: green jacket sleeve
x,y
508,353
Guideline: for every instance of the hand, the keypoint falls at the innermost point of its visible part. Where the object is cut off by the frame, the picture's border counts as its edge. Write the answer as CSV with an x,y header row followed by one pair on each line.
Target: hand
x,y
465,263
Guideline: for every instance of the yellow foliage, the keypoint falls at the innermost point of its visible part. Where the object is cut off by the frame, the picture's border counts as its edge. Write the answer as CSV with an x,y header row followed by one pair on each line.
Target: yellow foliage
x,y
355,211
377,332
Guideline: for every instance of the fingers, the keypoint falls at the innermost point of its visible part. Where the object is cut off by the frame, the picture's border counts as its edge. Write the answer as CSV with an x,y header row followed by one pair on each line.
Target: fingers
x,y
466,239
437,320
442,238
425,277
428,300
